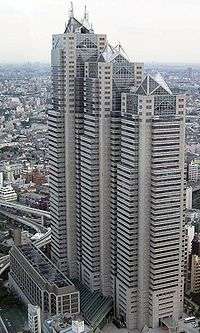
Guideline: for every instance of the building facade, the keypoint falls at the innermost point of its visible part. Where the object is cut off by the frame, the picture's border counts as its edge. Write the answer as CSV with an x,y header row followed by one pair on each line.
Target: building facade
x,y
150,205
116,177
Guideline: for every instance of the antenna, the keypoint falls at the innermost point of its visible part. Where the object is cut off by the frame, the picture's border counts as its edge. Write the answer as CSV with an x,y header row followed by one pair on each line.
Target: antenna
x,y
71,10
91,27
86,16
85,13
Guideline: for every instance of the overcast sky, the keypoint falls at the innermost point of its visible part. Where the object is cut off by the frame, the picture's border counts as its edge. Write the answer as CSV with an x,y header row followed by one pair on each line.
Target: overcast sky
x,y
149,30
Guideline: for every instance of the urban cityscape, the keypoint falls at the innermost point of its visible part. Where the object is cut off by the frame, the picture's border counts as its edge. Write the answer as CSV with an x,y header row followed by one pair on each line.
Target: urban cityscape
x,y
99,190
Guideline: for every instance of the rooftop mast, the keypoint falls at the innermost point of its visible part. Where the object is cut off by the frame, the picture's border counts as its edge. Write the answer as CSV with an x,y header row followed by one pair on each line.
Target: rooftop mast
x,y
71,10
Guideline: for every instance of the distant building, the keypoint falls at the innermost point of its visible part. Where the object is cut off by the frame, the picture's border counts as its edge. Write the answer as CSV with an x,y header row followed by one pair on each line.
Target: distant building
x,y
192,279
195,274
1,179
7,193
189,197
38,177
194,171
36,280
34,318
189,235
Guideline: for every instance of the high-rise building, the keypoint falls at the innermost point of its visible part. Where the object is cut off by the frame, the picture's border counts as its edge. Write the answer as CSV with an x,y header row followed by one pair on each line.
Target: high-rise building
x,y
117,186
84,126
150,205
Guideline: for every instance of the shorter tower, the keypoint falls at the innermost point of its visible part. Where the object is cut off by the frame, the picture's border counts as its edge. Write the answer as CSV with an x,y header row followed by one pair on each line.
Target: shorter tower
x,y
150,205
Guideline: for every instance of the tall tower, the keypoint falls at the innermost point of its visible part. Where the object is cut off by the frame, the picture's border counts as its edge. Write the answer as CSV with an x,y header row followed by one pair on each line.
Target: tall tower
x,y
150,205
70,51
88,76
116,176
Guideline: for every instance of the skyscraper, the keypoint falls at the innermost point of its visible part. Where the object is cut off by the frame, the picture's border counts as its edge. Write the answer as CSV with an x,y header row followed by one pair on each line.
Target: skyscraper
x,y
117,203
150,205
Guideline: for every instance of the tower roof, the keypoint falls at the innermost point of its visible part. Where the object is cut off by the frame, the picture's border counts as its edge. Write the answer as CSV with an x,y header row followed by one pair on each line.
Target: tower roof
x,y
154,86
110,53
74,25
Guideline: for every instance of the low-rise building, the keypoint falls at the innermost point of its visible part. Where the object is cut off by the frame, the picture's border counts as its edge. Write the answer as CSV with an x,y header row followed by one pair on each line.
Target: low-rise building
x,y
38,281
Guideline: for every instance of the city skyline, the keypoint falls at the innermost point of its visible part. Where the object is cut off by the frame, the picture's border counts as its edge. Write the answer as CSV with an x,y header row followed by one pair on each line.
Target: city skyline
x,y
170,31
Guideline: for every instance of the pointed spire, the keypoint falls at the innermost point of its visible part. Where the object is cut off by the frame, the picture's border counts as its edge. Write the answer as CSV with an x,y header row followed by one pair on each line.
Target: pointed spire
x,y
85,20
86,15
119,46
91,28
71,10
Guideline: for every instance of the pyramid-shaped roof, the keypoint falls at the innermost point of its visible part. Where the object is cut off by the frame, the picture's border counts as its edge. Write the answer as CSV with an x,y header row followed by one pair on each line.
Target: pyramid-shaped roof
x,y
153,86
111,53
73,24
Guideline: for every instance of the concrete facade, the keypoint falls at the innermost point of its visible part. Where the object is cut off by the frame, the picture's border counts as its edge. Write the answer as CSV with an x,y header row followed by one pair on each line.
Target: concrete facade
x,y
151,204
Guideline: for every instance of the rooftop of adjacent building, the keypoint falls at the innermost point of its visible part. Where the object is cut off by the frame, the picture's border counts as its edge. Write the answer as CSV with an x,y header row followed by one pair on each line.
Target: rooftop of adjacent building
x,y
45,268
65,324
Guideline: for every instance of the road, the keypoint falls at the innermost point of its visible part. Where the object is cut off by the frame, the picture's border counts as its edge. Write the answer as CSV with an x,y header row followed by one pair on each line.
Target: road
x,y
24,220
25,209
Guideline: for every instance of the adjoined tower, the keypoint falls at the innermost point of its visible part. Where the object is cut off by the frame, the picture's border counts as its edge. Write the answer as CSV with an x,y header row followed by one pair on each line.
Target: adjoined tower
x,y
114,197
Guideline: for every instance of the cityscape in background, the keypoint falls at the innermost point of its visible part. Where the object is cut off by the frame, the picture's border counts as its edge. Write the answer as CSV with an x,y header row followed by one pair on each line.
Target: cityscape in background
x,y
99,191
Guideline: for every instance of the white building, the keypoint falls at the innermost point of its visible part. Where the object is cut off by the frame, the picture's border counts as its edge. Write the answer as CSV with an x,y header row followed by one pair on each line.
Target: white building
x,y
189,197
194,171
34,318
7,193
189,235
1,179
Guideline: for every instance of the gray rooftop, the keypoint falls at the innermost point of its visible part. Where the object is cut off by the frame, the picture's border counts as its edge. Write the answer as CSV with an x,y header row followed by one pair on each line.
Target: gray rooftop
x,y
45,268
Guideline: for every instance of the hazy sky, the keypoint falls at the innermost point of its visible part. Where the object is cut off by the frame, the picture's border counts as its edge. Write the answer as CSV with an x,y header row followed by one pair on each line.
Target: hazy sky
x,y
149,30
